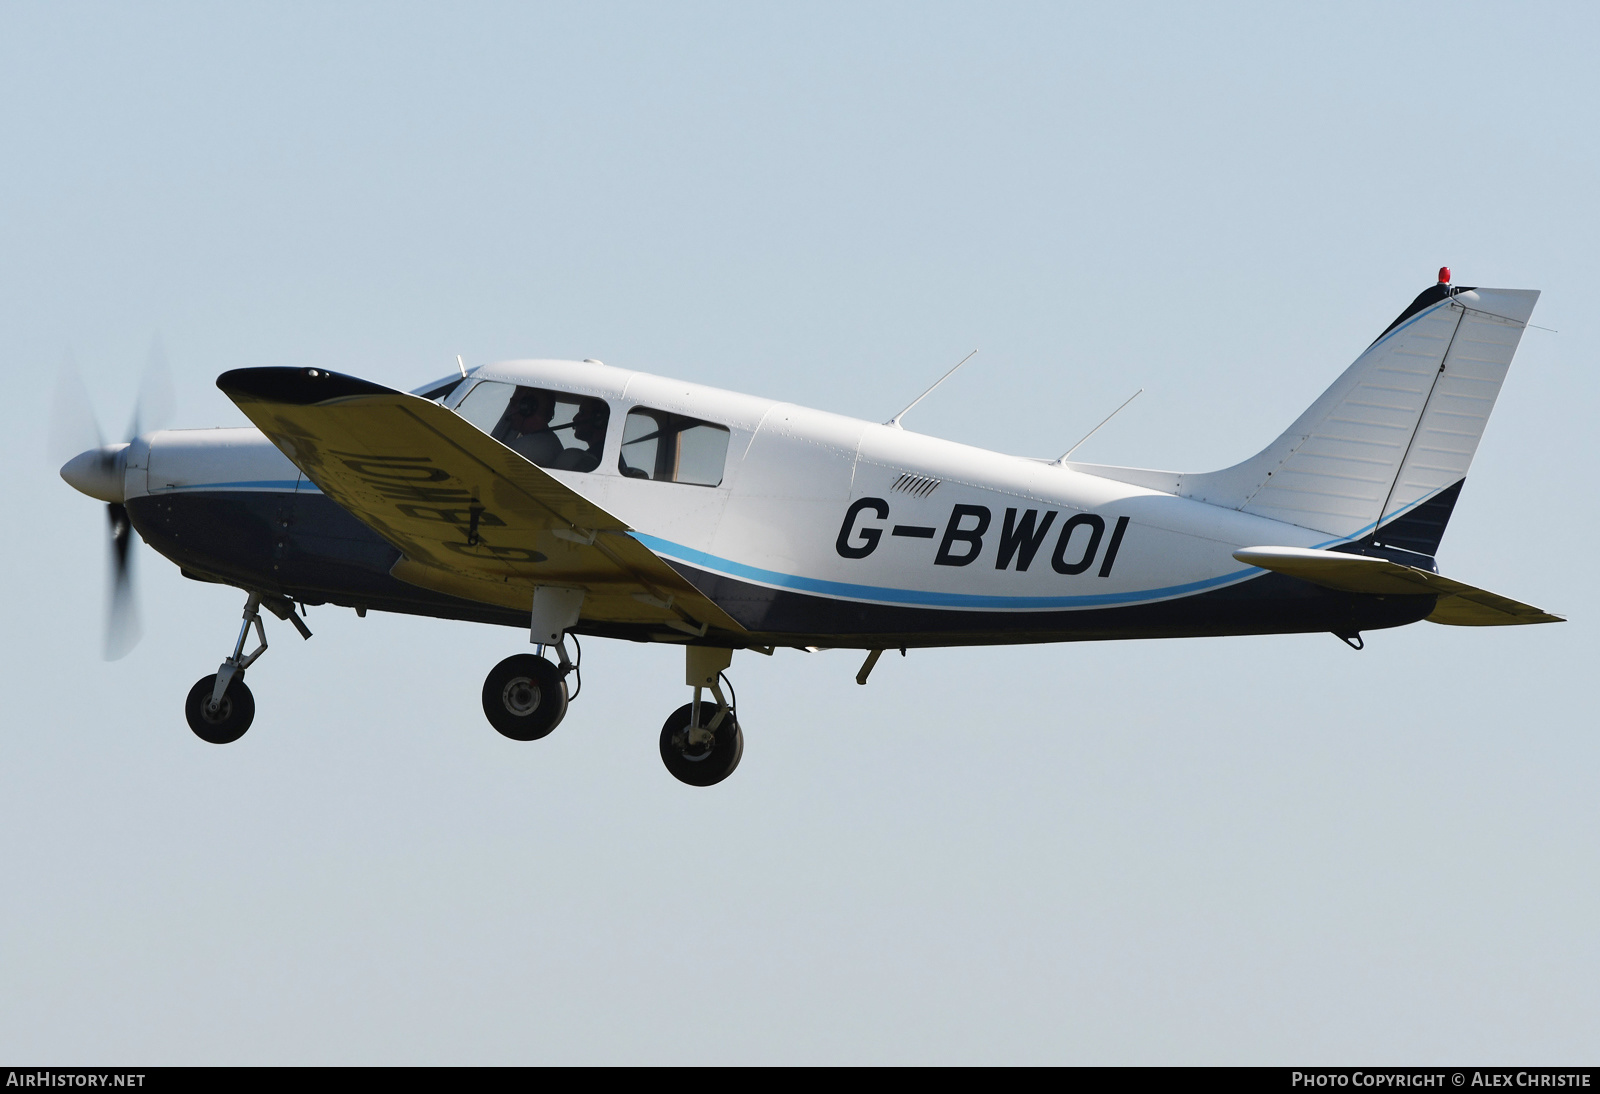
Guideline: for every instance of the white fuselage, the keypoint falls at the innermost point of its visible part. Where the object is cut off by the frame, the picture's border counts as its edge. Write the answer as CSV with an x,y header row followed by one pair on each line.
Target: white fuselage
x,y
836,507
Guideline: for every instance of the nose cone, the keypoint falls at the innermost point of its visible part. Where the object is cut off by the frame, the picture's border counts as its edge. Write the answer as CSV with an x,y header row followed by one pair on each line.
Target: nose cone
x,y
98,472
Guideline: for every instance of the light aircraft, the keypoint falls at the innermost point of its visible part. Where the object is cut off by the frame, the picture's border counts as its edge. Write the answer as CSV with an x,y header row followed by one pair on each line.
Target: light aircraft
x,y
574,498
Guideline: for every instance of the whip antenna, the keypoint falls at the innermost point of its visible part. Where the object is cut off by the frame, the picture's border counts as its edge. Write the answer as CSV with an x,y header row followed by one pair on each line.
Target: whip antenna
x,y
1096,429
895,421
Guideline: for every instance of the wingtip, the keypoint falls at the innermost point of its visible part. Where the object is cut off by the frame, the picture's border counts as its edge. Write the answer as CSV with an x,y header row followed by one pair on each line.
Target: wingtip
x,y
294,386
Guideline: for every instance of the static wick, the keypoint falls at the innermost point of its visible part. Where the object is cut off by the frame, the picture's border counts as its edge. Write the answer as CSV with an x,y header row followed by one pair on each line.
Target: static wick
x,y
1097,428
895,421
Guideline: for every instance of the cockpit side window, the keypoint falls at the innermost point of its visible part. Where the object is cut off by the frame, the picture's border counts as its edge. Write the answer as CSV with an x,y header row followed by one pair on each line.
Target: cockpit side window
x,y
550,428
667,447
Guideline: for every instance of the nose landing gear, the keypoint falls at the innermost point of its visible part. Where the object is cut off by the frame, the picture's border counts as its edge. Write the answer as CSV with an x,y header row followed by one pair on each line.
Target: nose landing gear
x,y
219,707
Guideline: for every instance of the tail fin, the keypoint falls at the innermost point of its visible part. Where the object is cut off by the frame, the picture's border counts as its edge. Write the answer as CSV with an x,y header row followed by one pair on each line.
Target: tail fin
x,y
1384,451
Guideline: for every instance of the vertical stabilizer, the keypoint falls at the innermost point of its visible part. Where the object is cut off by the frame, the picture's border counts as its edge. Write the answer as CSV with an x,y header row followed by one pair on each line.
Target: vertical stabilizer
x,y
1393,434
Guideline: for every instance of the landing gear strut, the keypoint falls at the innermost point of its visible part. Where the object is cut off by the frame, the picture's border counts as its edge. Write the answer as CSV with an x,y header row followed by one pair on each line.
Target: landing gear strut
x,y
701,743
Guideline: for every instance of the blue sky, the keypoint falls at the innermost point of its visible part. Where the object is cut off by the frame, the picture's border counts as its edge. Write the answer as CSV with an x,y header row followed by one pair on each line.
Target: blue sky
x,y
1266,850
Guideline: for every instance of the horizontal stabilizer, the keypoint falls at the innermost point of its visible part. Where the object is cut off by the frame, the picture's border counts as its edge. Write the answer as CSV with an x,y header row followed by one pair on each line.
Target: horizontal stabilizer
x,y
1459,605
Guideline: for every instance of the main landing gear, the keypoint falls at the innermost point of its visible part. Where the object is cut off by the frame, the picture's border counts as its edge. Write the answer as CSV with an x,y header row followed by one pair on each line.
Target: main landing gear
x,y
525,697
220,707
702,743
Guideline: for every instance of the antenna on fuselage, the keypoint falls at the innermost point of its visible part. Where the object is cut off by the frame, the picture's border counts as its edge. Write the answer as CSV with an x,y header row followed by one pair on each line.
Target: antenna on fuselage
x,y
895,421
462,365
1096,429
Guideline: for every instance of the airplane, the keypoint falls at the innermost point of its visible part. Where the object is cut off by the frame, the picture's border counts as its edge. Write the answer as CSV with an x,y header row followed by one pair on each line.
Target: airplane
x,y
574,498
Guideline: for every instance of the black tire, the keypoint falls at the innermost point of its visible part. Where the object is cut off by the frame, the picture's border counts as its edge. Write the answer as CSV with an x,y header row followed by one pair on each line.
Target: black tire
x,y
232,717
701,766
524,697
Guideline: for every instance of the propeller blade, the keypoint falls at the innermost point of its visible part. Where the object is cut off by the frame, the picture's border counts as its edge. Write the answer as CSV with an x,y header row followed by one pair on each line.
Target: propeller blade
x,y
73,428
74,438
153,409
122,609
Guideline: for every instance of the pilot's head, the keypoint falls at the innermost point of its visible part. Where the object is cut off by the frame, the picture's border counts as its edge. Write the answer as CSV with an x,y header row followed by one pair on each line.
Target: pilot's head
x,y
588,425
530,411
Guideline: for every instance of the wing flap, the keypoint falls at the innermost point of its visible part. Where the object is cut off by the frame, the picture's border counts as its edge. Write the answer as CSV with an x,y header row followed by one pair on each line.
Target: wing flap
x,y
1459,604
472,517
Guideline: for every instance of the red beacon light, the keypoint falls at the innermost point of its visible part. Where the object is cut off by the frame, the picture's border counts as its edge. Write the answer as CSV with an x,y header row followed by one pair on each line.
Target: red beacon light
x,y
1444,275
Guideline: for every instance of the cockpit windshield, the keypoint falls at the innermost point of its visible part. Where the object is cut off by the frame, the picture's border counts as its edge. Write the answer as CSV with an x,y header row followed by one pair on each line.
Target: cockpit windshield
x,y
549,428
440,389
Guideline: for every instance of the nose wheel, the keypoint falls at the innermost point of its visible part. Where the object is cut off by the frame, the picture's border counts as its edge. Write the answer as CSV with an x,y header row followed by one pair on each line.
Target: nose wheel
x,y
225,721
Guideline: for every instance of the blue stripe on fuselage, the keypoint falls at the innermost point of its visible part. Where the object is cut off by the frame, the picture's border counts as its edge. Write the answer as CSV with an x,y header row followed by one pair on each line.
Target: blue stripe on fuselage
x,y
303,486
918,598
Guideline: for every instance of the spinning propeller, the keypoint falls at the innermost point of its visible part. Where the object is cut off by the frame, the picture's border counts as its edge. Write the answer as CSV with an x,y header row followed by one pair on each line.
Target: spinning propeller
x,y
96,468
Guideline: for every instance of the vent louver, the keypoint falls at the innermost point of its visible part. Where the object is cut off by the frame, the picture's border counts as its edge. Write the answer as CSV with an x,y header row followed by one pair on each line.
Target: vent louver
x,y
919,486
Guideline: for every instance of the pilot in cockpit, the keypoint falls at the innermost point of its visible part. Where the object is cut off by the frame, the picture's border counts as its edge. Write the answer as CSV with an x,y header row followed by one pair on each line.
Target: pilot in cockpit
x,y
589,430
529,433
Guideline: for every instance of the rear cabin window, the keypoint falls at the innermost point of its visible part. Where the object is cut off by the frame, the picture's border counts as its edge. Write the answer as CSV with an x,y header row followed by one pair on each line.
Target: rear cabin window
x,y
549,428
657,444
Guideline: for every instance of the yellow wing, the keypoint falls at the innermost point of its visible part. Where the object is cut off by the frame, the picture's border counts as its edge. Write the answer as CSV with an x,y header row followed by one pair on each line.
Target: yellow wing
x,y
471,517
